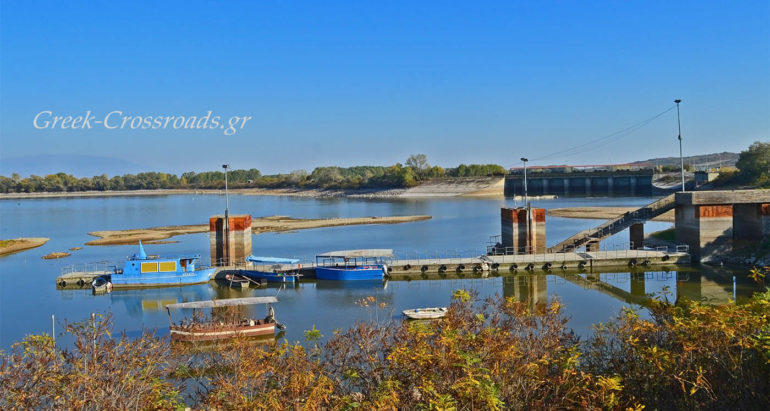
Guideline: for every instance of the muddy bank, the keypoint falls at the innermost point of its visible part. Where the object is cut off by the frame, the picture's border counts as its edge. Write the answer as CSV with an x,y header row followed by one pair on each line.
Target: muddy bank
x,y
258,225
603,213
20,244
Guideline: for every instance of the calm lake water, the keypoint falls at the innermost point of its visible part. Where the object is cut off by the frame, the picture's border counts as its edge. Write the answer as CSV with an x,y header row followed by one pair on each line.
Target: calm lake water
x,y
28,294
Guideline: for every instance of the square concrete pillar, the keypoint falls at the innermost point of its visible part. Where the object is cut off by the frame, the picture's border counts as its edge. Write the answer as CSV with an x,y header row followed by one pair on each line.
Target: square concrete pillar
x,y
751,222
636,233
513,232
706,229
233,247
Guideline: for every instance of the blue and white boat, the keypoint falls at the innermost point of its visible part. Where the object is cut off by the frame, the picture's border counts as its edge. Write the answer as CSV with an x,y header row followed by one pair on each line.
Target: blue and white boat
x,y
273,269
141,270
348,265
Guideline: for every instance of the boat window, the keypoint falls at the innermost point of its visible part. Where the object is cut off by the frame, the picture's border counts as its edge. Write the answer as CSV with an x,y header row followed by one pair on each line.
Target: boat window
x,y
183,263
149,268
167,266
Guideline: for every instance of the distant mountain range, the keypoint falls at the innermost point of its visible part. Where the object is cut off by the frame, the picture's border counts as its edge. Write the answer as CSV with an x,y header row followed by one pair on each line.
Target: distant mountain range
x,y
703,161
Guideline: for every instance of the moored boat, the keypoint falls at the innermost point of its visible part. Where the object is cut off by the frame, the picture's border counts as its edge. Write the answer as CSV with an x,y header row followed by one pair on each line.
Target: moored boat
x,y
141,270
209,330
273,269
425,313
348,265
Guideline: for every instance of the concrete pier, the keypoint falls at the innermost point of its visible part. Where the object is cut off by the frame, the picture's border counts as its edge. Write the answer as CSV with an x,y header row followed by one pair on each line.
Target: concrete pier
x,y
515,237
231,248
712,222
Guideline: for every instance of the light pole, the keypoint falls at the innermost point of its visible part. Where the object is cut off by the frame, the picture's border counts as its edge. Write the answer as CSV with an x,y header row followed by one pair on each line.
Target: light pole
x,y
526,206
524,159
226,254
681,158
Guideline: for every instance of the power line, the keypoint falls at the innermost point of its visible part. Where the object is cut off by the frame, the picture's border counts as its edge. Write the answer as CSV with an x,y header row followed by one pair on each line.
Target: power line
x,y
616,135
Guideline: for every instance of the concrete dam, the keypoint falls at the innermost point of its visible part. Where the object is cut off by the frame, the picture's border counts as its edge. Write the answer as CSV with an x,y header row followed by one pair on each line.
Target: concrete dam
x,y
583,180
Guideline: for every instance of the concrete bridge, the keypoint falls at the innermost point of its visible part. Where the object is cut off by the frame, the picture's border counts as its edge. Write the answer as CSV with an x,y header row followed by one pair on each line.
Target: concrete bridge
x,y
713,222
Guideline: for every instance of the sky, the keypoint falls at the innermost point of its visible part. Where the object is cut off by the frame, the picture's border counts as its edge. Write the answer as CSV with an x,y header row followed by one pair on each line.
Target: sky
x,y
371,82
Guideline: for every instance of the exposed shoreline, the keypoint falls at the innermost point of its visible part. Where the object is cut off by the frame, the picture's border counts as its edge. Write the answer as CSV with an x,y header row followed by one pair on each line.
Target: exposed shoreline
x,y
459,187
16,245
258,225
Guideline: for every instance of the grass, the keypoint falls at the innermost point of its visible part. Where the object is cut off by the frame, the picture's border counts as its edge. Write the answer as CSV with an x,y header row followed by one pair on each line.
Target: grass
x,y
7,243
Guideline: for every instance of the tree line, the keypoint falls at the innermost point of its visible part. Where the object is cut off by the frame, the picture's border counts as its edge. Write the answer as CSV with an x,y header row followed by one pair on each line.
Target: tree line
x,y
415,170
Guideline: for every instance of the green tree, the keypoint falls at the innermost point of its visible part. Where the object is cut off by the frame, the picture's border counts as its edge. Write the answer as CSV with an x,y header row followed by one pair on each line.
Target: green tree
x,y
754,164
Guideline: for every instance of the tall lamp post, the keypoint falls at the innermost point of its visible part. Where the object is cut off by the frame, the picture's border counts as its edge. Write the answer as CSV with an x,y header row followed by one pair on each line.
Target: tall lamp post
x,y
524,160
526,205
226,255
681,158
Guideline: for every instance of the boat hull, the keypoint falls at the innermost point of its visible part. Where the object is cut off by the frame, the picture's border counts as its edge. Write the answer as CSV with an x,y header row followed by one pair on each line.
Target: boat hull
x,y
425,313
270,277
221,332
349,273
162,279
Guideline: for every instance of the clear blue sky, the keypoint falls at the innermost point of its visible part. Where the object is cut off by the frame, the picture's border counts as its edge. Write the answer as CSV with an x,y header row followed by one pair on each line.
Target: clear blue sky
x,y
370,82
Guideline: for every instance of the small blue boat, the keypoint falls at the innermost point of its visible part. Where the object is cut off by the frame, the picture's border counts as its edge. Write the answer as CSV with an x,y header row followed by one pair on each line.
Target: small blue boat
x,y
141,270
273,269
352,265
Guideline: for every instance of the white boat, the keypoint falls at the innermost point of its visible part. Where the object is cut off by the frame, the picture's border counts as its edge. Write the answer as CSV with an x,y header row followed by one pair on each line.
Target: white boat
x,y
425,313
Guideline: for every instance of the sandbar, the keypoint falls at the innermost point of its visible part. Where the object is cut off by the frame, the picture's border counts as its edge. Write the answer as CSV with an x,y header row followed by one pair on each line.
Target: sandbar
x,y
20,244
258,225
603,213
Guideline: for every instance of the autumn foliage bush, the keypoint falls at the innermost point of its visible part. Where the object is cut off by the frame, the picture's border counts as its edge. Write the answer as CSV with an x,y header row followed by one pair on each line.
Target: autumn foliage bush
x,y
484,355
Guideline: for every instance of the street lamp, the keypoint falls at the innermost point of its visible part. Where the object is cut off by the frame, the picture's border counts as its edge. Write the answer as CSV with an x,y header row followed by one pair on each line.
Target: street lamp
x,y
681,158
524,159
526,206
226,254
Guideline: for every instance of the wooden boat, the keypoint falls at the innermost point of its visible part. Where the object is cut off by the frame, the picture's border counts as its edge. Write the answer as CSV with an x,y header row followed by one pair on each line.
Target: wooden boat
x,y
350,265
425,313
210,330
238,281
273,269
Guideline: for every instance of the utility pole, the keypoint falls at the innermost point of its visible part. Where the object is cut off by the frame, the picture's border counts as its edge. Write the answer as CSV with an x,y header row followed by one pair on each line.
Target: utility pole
x,y
681,158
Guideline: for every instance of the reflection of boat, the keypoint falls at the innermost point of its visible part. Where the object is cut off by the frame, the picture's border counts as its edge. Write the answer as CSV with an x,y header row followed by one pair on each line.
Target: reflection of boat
x,y
277,272
229,325
141,270
425,313
352,264
143,302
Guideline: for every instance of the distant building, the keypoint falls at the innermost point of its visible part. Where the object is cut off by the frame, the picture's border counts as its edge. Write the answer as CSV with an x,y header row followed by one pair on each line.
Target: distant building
x,y
703,177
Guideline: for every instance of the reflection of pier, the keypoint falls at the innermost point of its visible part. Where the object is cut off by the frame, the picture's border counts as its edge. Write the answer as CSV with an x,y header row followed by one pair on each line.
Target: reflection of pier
x,y
630,287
